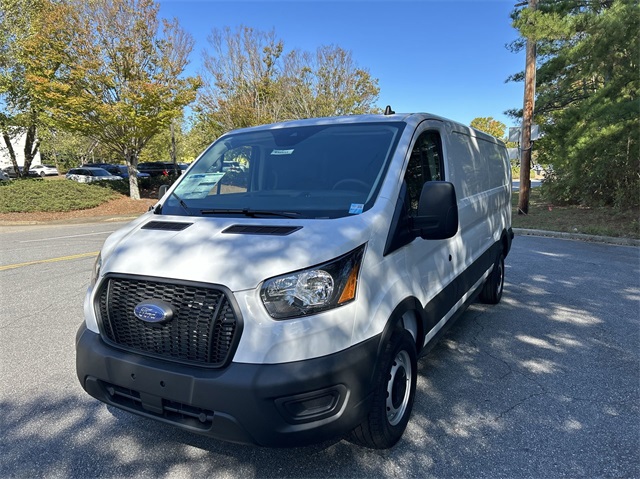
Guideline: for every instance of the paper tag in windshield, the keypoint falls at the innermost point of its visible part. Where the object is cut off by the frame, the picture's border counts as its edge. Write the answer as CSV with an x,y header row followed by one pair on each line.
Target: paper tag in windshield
x,y
198,186
356,208
281,152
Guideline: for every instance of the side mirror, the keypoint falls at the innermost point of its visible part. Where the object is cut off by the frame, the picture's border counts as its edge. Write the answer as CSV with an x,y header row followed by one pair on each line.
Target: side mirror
x,y
437,216
162,191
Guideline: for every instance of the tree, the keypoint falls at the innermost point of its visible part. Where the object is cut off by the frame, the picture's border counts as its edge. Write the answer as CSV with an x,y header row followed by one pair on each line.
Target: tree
x,y
489,125
120,81
327,84
241,79
20,21
250,80
159,148
67,150
587,98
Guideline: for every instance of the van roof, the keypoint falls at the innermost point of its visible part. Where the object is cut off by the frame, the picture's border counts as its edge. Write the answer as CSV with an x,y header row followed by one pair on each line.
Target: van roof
x,y
348,119
412,119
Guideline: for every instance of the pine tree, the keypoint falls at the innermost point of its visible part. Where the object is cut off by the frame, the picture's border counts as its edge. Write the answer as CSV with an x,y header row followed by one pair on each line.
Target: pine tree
x,y
587,100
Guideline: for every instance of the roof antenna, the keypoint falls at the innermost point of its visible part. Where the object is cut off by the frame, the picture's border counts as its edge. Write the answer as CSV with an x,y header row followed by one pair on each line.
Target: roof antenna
x,y
388,110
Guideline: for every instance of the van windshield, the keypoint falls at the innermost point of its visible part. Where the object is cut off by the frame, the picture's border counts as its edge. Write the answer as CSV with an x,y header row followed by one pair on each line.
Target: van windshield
x,y
323,171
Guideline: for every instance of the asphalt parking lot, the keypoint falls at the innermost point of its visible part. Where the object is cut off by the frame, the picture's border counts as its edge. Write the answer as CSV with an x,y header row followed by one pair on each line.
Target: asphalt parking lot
x,y
546,384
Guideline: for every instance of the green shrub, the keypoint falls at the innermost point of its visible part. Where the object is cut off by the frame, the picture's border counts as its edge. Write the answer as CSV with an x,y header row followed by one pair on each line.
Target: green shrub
x,y
156,182
29,195
147,186
119,186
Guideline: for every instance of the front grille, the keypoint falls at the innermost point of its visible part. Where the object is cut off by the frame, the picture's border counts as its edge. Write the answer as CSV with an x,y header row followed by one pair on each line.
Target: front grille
x,y
203,330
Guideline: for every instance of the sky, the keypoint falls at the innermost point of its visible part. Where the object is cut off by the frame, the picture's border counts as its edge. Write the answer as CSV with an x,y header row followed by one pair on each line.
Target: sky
x,y
444,57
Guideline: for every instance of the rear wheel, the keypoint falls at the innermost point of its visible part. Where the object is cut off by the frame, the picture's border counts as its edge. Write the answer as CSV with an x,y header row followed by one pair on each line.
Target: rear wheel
x,y
492,290
394,392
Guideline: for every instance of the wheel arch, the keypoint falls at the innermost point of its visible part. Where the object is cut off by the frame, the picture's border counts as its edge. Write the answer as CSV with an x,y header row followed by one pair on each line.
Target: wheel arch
x,y
409,315
505,241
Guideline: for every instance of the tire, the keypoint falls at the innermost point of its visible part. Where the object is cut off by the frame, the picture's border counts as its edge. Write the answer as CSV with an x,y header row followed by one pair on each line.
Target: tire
x,y
42,174
492,290
393,395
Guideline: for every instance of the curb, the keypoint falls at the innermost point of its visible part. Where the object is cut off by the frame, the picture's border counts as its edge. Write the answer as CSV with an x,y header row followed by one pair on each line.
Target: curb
x,y
72,221
578,236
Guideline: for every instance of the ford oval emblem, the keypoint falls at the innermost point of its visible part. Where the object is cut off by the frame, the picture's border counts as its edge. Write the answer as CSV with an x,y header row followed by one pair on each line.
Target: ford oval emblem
x,y
153,311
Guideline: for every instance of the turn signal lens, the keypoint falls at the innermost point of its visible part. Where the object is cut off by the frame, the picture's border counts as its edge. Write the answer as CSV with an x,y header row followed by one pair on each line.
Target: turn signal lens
x,y
349,291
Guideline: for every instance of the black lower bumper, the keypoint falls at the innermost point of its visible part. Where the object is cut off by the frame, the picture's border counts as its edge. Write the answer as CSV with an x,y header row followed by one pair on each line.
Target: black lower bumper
x,y
289,404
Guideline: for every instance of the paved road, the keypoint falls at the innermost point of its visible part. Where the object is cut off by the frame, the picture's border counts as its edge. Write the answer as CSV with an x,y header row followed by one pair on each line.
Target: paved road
x,y
546,384
534,184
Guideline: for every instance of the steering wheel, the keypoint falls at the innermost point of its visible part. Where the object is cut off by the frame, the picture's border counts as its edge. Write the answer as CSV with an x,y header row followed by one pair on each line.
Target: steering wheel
x,y
359,183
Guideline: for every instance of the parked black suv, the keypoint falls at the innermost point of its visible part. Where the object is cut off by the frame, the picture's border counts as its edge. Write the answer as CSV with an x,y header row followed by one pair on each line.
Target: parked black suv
x,y
159,168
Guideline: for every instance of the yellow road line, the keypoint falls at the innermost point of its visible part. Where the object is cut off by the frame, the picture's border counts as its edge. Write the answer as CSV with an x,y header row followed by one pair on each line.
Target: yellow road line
x,y
50,260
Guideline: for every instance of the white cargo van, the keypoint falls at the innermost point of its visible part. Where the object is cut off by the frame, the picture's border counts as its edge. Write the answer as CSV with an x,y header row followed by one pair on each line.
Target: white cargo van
x,y
284,300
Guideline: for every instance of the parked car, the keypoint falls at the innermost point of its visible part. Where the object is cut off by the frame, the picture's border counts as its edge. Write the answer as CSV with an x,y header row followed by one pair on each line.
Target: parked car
x,y
90,174
158,168
95,165
11,172
44,170
290,305
123,171
3,176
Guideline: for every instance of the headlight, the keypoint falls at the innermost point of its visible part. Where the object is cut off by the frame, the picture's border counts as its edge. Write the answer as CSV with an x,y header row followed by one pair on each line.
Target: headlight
x,y
95,273
312,290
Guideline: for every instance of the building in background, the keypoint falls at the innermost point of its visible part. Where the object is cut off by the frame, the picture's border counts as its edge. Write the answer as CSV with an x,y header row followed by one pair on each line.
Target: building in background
x,y
18,142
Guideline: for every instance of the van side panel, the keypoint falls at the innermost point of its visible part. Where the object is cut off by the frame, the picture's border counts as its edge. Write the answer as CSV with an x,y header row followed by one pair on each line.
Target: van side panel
x,y
479,171
440,272
497,165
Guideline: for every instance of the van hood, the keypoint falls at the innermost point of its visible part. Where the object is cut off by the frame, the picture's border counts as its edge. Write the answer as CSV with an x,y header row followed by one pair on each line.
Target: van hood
x,y
241,259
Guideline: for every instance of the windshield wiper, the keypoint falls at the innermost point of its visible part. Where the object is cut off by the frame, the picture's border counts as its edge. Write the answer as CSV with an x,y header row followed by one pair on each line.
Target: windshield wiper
x,y
181,203
249,212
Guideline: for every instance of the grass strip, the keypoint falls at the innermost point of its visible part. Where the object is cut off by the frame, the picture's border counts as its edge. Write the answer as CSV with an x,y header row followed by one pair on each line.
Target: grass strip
x,y
601,221
32,195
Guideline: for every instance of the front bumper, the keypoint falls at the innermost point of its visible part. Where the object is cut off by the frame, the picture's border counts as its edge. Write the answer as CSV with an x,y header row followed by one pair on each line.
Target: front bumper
x,y
289,404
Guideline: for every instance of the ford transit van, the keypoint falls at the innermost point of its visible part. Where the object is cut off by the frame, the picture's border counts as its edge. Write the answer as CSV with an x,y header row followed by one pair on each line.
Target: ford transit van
x,y
285,300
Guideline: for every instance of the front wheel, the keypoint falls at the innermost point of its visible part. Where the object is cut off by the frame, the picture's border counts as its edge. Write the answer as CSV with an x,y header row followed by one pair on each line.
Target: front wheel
x,y
393,395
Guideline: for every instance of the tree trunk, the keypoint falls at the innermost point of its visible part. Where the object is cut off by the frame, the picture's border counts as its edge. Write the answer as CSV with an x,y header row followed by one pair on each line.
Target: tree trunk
x,y
132,166
174,156
31,145
527,121
12,153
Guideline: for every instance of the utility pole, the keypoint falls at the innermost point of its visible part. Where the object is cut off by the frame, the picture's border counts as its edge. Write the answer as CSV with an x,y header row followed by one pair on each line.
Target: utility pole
x,y
527,121
174,156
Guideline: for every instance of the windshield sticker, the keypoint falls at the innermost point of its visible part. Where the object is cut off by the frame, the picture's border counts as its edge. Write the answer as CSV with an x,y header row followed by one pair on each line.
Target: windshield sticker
x,y
198,186
281,152
356,208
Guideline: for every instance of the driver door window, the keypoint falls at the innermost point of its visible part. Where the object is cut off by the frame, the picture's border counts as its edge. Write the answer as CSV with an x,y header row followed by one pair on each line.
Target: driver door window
x,y
425,164
235,169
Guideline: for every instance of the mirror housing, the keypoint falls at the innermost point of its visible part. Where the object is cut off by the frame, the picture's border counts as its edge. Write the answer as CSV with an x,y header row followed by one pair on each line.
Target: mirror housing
x,y
162,191
437,216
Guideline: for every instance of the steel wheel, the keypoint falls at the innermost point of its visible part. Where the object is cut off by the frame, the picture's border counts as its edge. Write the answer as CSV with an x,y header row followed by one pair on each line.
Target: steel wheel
x,y
399,388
